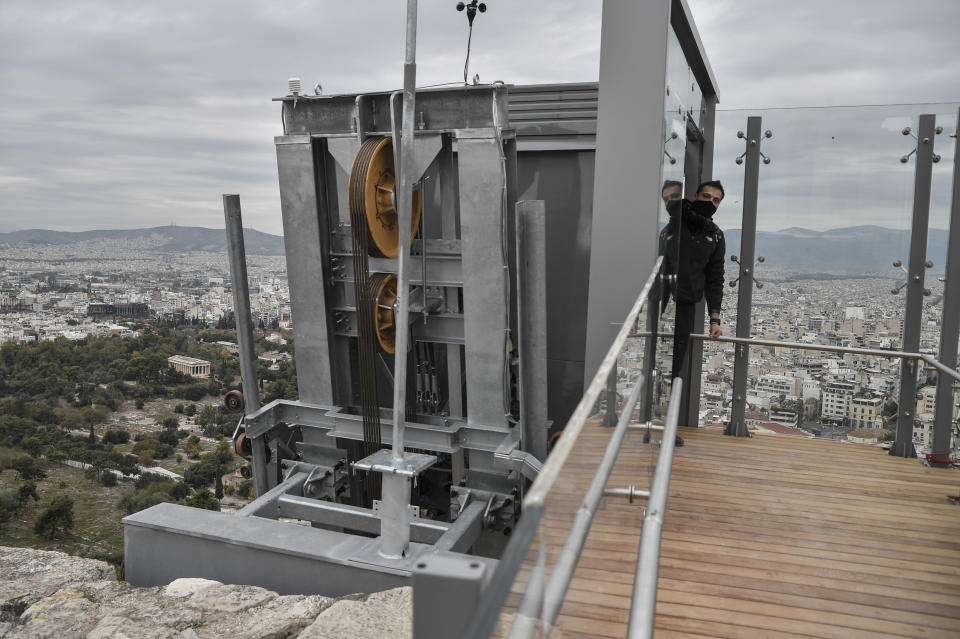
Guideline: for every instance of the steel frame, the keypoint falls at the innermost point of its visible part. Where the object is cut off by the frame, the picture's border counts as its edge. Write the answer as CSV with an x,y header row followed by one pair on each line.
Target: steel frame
x,y
950,323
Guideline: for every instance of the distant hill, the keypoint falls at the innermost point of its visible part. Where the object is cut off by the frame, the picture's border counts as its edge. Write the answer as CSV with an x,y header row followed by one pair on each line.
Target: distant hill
x,y
854,249
164,239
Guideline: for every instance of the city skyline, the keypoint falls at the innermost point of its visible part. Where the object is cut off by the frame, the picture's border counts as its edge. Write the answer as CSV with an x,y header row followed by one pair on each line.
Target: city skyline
x,y
133,114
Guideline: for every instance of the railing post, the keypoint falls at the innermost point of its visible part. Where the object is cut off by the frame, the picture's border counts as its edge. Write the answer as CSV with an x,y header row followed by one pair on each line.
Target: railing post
x,y
751,181
903,445
950,324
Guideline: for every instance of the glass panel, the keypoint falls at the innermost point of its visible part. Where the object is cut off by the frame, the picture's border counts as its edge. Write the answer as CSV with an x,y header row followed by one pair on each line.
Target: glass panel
x,y
834,213
536,553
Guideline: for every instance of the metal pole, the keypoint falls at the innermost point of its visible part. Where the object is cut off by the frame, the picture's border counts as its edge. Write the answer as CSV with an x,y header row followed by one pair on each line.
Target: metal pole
x,y
950,323
610,415
650,349
644,602
690,409
751,180
569,555
903,445
873,352
532,321
241,311
395,516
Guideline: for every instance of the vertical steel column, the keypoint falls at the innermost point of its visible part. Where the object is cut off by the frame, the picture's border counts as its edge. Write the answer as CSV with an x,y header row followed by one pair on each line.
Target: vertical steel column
x,y
241,311
531,238
690,406
610,415
395,516
628,168
903,445
751,181
950,324
304,239
650,348
485,303
448,221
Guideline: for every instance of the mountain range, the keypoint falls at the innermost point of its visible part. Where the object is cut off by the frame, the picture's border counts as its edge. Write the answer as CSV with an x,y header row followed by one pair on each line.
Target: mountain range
x,y
854,249
163,239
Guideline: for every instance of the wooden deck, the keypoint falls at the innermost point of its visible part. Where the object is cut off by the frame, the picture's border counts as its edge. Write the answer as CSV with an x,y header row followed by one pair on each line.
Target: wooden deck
x,y
772,536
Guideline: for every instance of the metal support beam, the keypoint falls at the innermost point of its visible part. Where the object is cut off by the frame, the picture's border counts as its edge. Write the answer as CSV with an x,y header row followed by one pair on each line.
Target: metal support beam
x,y
913,312
446,589
241,311
950,324
531,239
461,535
690,407
354,518
482,220
267,504
628,173
304,232
610,414
751,180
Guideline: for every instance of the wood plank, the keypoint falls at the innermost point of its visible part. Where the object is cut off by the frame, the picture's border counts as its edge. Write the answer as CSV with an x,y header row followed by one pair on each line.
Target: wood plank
x,y
770,536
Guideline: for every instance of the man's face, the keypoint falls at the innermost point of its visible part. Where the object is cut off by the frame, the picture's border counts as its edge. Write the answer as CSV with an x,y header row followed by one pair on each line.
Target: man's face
x,y
710,194
671,193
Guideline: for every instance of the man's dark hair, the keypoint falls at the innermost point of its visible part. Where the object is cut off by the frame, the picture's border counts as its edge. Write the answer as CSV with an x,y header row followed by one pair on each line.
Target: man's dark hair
x,y
715,184
669,184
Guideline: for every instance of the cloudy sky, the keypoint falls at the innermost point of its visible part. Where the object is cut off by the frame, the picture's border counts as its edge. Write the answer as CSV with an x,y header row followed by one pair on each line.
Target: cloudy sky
x,y
132,114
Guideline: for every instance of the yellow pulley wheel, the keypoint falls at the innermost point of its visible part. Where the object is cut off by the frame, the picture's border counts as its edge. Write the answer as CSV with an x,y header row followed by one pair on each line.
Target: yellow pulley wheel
x,y
372,195
383,317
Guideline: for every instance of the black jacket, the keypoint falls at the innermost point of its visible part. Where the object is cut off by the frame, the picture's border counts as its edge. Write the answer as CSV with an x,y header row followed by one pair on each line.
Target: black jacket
x,y
697,258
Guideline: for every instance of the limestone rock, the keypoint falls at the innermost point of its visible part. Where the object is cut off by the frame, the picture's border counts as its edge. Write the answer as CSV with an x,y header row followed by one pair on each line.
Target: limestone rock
x,y
49,595
28,575
64,614
382,614
188,586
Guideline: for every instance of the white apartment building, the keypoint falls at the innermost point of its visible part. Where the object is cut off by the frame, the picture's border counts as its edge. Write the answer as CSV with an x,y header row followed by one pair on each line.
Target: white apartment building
x,y
835,399
779,385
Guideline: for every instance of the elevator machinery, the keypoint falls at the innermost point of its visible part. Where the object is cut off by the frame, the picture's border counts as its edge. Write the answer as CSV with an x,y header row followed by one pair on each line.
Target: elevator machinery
x,y
475,394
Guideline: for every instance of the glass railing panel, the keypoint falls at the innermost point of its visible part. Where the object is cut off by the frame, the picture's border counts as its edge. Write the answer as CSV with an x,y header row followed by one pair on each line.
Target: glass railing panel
x,y
527,592
834,213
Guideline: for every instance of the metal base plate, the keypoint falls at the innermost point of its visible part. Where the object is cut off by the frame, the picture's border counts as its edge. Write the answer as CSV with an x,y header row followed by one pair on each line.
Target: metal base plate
x,y
382,461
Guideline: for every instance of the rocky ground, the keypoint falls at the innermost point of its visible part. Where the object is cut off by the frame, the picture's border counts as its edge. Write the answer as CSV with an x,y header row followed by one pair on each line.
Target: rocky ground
x,y
50,594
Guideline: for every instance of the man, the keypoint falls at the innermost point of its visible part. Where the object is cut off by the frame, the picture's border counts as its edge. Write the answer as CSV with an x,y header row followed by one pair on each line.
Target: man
x,y
693,249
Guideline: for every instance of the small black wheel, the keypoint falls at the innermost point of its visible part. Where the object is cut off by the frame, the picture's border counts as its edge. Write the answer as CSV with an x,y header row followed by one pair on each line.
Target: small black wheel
x,y
233,401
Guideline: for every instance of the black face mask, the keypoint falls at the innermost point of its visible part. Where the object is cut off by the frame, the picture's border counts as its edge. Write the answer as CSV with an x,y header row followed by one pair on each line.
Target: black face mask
x,y
703,208
673,207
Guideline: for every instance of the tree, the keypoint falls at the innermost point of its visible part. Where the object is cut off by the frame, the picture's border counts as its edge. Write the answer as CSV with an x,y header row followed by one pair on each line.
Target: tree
x,y
170,422
55,518
27,468
139,403
192,447
27,490
203,498
218,489
32,445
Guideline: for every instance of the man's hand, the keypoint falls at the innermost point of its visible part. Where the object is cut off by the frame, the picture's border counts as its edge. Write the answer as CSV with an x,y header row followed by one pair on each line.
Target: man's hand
x,y
715,331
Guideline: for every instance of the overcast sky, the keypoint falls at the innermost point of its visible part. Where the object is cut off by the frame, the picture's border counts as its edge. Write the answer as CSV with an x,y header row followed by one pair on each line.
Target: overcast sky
x,y
133,114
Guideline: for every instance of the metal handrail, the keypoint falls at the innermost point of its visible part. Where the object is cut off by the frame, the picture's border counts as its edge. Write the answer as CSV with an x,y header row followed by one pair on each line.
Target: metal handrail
x,y
569,556
644,602
564,446
488,610
929,359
